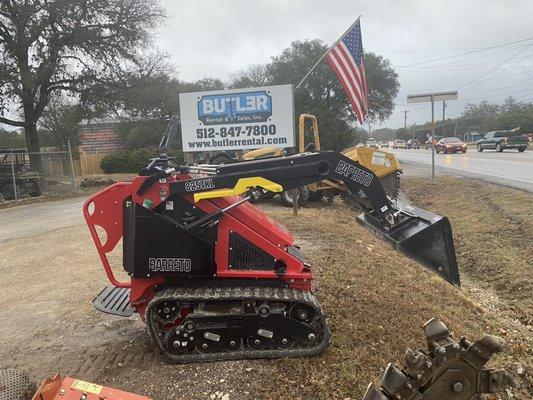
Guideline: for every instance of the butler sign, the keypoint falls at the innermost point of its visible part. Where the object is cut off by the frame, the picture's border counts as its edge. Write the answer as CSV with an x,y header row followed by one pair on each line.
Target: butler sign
x,y
237,119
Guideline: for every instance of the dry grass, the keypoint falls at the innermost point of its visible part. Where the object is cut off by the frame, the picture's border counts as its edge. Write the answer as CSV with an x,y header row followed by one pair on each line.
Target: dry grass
x,y
493,229
376,301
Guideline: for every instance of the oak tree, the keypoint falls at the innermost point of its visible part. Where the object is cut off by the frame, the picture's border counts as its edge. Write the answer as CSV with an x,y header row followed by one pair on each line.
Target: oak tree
x,y
56,46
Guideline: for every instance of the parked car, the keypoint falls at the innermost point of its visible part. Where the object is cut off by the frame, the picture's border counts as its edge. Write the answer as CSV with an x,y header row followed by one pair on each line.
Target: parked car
x,y
398,144
500,140
450,145
384,144
412,144
371,143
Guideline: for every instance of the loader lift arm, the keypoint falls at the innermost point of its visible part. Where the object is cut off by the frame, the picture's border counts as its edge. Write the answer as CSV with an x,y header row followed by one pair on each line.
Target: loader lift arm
x,y
290,172
419,234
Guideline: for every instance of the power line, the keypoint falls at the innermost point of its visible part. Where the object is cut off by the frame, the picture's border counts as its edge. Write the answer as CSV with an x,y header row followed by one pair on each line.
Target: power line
x,y
500,88
473,98
469,52
459,68
423,50
498,66
478,57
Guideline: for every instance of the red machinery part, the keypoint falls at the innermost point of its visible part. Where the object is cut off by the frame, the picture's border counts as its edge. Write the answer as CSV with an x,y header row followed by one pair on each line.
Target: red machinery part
x,y
104,210
56,388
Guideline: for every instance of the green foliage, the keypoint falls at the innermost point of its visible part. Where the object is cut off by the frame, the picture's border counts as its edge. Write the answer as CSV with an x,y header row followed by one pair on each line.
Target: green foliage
x,y
141,134
12,139
385,134
403,134
131,161
484,116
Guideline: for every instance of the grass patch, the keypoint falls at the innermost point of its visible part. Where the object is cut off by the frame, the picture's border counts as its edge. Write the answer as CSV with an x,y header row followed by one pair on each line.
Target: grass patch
x,y
493,231
376,301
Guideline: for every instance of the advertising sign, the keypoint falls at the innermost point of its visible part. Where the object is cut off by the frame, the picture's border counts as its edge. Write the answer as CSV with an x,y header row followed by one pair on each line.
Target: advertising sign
x,y
237,119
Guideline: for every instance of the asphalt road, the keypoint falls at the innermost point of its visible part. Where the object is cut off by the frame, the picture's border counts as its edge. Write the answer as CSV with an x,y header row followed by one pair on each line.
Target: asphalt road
x,y
509,168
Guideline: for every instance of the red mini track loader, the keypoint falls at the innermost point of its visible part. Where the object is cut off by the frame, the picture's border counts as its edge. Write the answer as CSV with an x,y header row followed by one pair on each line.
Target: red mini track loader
x,y
215,278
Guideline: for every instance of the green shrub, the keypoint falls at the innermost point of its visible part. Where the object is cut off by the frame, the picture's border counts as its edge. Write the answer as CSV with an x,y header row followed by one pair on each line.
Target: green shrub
x,y
131,161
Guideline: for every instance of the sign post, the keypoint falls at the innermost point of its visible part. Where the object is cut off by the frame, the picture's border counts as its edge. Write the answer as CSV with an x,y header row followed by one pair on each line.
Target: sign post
x,y
432,97
237,119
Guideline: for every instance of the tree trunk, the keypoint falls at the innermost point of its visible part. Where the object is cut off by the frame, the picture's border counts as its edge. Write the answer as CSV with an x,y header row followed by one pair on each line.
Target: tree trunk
x,y
32,143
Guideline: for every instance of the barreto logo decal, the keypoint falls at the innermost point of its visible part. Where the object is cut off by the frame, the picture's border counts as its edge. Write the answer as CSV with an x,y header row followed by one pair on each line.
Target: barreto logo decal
x,y
169,264
350,171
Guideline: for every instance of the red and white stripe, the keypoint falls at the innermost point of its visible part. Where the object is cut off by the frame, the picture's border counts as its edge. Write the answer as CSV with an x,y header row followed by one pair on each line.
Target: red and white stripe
x,y
352,78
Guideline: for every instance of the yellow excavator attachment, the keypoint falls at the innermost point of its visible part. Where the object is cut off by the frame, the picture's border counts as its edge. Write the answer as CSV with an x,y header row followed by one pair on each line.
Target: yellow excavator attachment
x,y
263,152
382,163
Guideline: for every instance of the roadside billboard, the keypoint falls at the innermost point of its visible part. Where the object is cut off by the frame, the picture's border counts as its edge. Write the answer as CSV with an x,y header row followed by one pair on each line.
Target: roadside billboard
x,y
237,119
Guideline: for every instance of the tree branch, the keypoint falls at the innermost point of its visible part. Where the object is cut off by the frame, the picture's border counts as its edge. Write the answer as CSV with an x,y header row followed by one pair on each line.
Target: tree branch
x,y
63,87
11,122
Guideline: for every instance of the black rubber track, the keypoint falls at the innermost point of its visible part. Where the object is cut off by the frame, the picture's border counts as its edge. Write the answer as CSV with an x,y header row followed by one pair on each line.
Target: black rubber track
x,y
201,294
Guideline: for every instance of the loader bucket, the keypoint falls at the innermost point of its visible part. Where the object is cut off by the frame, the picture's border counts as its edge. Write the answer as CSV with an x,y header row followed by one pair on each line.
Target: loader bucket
x,y
423,236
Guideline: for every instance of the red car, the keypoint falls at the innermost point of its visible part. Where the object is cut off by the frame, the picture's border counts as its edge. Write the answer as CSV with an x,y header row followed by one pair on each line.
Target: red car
x,y
450,145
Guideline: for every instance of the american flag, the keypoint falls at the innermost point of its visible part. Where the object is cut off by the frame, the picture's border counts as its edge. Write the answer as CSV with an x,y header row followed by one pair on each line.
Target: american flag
x,y
346,60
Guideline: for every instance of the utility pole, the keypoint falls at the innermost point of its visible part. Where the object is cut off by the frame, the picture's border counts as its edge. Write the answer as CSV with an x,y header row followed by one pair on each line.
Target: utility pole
x,y
433,137
444,105
405,118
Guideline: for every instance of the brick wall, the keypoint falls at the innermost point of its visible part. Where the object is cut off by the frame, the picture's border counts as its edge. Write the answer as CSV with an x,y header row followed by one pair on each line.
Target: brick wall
x,y
100,138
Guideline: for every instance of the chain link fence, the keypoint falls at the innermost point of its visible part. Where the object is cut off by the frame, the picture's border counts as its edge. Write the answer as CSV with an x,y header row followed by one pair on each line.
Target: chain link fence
x,y
19,181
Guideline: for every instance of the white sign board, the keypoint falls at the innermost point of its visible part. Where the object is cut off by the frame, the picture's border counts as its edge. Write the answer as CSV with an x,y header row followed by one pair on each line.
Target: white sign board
x,y
237,119
427,97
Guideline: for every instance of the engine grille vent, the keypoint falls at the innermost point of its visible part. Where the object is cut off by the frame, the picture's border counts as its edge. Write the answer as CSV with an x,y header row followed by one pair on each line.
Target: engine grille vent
x,y
243,254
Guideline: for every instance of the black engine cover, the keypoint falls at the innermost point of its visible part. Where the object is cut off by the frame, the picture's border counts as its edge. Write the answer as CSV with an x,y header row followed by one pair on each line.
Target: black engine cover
x,y
154,246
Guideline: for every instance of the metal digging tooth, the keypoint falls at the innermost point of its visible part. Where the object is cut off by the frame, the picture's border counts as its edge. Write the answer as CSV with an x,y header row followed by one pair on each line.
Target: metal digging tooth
x,y
448,370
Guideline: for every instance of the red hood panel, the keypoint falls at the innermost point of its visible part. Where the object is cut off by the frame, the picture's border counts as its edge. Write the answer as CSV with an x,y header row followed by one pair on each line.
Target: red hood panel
x,y
257,220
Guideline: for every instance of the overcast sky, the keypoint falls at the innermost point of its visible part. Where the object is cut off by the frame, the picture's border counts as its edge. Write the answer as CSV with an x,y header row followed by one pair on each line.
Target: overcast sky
x,y
423,39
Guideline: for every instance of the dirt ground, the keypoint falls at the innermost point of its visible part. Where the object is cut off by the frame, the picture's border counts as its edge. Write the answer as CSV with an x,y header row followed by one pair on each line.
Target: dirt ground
x,y
376,301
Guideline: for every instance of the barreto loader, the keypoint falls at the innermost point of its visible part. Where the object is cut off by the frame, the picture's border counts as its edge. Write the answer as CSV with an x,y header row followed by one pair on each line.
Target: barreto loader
x,y
213,277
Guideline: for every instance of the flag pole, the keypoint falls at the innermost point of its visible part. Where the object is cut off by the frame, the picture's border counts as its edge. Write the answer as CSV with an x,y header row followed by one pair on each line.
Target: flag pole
x,y
327,51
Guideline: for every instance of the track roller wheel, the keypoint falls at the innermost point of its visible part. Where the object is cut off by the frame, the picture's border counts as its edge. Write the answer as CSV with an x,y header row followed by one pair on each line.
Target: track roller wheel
x,y
168,312
256,342
302,313
178,342
234,344
284,343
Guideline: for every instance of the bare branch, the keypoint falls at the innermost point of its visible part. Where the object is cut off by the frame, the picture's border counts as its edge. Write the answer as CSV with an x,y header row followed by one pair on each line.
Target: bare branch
x,y
11,122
